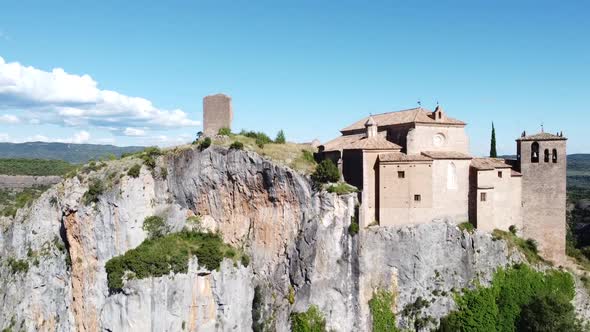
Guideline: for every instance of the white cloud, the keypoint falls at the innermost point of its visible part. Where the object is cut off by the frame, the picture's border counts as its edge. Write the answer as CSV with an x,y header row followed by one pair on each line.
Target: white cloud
x,y
81,137
57,97
133,132
9,119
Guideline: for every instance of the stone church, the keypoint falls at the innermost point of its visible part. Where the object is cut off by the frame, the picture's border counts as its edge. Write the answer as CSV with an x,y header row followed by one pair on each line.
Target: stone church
x,y
414,166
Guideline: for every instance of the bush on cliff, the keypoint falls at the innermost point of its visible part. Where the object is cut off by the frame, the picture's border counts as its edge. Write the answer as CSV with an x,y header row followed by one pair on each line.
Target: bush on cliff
x,y
499,307
170,253
95,189
381,306
237,145
134,171
311,320
326,172
155,227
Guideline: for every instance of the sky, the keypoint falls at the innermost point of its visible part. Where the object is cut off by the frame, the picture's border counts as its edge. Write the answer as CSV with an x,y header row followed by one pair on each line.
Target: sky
x,y
133,73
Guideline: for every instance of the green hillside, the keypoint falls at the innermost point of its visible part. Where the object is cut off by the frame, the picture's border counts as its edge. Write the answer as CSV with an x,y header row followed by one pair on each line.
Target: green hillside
x,y
72,153
36,167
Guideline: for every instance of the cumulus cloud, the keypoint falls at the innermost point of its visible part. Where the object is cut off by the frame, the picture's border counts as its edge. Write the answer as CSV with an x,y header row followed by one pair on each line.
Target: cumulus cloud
x,y
58,97
9,119
134,132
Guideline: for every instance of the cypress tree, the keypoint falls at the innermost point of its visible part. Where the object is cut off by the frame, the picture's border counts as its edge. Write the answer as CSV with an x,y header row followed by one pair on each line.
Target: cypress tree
x,y
493,153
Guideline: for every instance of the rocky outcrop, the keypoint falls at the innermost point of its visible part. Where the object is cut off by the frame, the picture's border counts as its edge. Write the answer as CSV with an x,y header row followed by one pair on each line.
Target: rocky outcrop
x,y
298,240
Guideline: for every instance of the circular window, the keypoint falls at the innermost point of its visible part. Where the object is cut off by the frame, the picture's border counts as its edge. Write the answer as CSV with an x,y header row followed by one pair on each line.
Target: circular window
x,y
438,139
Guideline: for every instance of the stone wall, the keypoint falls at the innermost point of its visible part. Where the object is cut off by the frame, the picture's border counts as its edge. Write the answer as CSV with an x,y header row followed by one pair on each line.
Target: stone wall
x,y
421,139
217,113
544,197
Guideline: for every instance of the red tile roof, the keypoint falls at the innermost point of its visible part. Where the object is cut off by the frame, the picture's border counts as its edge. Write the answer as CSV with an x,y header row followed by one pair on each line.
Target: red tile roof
x,y
414,115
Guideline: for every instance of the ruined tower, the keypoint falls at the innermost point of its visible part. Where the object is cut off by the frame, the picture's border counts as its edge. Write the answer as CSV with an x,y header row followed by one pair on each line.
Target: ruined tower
x,y
217,113
542,161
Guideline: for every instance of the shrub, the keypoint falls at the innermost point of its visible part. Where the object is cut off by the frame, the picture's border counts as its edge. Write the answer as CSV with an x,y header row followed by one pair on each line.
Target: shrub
x,y
155,227
280,139
245,260
308,156
237,145
527,247
134,171
326,172
383,317
531,244
547,314
163,173
259,143
291,295
342,188
95,189
498,307
149,155
205,143
466,226
353,228
310,321
512,229
171,253
18,265
224,131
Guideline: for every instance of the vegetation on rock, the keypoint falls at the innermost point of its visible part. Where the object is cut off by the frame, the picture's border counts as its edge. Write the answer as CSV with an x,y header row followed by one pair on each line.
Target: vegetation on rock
x,y
528,247
326,172
311,320
466,226
159,256
381,307
205,143
353,228
237,145
155,227
134,171
224,131
12,200
499,307
95,189
342,188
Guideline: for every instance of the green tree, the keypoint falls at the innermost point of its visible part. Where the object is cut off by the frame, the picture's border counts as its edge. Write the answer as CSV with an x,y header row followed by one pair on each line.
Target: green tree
x,y
326,171
280,137
493,152
310,321
546,314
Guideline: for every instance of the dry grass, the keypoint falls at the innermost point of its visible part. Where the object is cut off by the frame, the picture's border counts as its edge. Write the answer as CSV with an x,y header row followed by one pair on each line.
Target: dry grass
x,y
288,154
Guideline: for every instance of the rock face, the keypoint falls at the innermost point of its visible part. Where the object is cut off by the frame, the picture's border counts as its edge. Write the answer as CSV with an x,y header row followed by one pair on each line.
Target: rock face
x,y
301,253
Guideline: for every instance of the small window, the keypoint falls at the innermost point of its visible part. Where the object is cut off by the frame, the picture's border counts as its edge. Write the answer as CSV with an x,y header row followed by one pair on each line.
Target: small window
x,y
554,156
500,174
483,197
546,159
401,174
417,198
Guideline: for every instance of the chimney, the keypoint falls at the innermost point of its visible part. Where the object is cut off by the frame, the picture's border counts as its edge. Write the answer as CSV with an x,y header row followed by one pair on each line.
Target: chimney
x,y
371,127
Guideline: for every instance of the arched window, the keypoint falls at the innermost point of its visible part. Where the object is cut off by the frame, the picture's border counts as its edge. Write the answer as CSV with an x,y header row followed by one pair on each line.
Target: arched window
x,y
452,176
535,152
554,157
546,155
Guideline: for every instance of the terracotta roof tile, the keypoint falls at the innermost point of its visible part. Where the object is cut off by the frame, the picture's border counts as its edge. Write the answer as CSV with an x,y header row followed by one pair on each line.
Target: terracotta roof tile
x,y
541,136
446,155
414,115
402,157
339,143
373,143
489,163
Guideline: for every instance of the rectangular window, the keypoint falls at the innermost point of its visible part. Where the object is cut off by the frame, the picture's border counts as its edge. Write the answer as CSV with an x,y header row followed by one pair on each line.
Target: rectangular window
x,y
483,197
401,174
417,198
499,174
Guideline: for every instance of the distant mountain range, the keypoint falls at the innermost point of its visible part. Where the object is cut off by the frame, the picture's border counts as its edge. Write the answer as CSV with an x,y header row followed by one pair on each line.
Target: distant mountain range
x,y
72,153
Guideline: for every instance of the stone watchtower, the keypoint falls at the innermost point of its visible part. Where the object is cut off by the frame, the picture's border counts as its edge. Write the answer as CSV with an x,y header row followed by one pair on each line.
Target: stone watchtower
x,y
217,113
542,160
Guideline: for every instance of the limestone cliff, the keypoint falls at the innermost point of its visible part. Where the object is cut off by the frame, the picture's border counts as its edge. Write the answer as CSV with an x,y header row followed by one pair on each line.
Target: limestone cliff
x,y
53,254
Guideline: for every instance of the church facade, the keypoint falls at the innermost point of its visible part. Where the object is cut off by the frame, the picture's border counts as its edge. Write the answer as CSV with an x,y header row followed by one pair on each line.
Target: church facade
x,y
414,166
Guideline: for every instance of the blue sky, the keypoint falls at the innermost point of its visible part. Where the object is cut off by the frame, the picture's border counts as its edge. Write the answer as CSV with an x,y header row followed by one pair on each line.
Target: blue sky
x,y
308,67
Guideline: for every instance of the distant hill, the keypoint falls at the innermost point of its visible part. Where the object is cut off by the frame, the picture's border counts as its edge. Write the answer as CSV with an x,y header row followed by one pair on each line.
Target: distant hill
x,y
72,153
